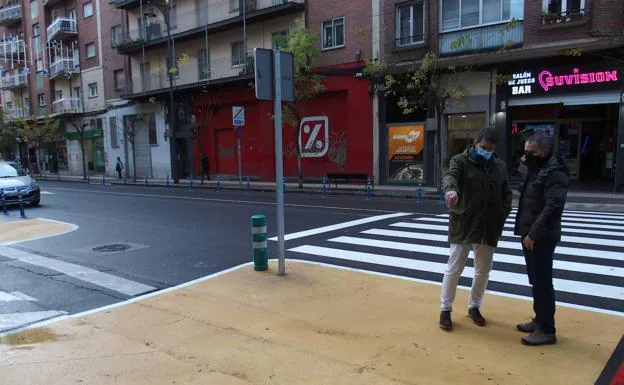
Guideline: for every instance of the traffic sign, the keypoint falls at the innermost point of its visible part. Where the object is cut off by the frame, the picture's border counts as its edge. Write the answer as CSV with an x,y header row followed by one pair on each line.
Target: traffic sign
x,y
314,136
238,116
264,74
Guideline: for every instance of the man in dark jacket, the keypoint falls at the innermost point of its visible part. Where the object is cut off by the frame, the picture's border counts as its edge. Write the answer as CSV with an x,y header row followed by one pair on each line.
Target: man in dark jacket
x,y
478,195
538,223
205,173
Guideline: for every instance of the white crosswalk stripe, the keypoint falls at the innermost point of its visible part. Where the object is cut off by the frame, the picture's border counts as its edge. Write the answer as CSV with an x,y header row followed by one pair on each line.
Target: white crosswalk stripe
x,y
588,265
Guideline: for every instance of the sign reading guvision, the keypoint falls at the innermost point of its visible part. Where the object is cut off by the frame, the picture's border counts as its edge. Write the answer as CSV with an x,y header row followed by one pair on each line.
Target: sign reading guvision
x,y
562,80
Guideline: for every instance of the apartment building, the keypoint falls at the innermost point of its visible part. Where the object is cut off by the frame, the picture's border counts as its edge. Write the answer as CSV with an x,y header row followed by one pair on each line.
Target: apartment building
x,y
58,61
213,43
543,65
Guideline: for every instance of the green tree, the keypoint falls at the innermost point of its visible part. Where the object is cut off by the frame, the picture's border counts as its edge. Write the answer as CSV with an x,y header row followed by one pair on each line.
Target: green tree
x,y
39,132
308,84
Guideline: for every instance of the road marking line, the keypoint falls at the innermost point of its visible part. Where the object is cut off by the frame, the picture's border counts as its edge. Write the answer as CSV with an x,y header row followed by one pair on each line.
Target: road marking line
x,y
575,287
47,193
511,222
589,253
339,226
15,296
9,321
82,273
72,228
565,217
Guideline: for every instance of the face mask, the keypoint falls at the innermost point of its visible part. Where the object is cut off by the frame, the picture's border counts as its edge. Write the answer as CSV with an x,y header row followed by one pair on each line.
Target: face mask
x,y
484,154
534,161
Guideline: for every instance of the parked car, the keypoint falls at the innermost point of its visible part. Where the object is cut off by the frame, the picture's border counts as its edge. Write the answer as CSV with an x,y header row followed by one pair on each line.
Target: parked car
x,y
15,181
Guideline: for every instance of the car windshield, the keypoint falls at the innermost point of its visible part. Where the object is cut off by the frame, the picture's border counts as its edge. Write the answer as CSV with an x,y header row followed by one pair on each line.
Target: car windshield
x,y
9,170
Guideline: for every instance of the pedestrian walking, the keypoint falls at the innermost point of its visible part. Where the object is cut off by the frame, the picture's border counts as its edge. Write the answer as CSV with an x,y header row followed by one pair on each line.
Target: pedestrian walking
x,y
205,170
478,196
538,223
119,167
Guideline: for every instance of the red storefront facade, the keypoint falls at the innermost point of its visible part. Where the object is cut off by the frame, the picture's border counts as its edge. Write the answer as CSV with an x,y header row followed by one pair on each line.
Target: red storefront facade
x,y
346,103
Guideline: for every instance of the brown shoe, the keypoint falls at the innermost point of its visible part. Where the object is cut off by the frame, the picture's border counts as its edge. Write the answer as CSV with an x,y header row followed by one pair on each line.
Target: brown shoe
x,y
539,338
476,316
445,321
527,327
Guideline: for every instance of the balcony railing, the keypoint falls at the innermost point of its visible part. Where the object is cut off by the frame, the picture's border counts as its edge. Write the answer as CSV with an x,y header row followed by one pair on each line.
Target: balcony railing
x,y
61,28
67,106
482,39
12,47
13,81
219,69
11,14
407,41
549,18
215,14
63,67
16,113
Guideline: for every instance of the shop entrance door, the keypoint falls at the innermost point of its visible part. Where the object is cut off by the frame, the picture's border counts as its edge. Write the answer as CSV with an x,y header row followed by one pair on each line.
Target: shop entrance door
x,y
568,141
584,144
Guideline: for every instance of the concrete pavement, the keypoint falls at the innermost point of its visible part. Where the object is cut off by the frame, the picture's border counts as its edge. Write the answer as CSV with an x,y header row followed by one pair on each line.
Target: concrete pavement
x,y
317,325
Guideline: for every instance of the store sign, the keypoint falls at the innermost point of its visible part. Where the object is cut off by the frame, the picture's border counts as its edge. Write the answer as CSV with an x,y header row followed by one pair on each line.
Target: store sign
x,y
562,80
405,152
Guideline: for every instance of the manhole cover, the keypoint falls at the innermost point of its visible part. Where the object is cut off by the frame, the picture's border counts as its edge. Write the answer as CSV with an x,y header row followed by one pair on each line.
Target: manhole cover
x,y
112,248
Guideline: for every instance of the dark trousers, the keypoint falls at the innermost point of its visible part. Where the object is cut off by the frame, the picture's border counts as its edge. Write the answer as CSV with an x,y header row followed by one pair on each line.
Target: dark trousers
x,y
119,172
539,264
204,174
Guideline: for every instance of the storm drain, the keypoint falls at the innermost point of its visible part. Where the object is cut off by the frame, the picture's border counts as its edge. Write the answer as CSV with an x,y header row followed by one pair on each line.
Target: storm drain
x,y
114,248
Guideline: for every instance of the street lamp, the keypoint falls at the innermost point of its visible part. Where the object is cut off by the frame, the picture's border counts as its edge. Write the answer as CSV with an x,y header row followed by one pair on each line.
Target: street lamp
x,y
165,10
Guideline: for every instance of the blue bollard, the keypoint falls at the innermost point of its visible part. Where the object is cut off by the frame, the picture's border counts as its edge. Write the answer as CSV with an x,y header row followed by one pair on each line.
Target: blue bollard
x,y
218,183
324,190
88,179
442,201
284,184
191,183
21,206
3,200
247,186
369,183
167,180
103,179
419,192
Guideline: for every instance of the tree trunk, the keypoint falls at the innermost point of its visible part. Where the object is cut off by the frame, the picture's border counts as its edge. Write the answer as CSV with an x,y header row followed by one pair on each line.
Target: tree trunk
x,y
134,175
39,158
439,161
84,159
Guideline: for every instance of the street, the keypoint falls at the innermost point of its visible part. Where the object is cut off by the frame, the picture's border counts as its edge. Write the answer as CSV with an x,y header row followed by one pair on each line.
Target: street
x,y
134,240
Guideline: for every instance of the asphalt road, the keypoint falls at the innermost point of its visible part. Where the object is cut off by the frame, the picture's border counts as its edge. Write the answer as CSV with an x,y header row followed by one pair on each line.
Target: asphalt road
x,y
177,235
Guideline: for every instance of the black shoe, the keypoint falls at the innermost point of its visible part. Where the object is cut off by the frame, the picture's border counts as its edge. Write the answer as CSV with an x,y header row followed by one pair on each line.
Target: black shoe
x,y
445,321
539,338
527,327
476,316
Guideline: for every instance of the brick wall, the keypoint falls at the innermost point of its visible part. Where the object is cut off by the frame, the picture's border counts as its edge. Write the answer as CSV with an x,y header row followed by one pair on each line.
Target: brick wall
x,y
88,33
391,53
358,28
112,61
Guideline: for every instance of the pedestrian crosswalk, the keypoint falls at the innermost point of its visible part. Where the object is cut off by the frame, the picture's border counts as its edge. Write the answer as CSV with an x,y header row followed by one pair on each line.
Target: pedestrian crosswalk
x,y
588,266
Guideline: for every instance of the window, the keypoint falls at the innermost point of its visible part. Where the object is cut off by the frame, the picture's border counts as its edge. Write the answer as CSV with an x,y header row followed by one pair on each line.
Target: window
x,y
77,93
112,128
203,64
238,53
153,133
410,24
458,14
87,9
40,80
36,39
234,6
279,39
333,33
42,101
120,80
9,105
93,92
95,124
115,36
564,6
34,9
58,94
90,50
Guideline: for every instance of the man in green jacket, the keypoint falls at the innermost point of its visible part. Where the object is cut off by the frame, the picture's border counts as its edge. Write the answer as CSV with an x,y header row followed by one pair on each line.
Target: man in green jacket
x,y
478,194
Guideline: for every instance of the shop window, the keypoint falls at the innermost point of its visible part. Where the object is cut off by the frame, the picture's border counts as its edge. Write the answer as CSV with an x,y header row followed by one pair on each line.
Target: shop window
x,y
463,130
333,33
410,24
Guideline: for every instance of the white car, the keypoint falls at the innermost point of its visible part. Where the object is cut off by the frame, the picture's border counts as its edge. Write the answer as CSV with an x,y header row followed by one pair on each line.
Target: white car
x,y
15,181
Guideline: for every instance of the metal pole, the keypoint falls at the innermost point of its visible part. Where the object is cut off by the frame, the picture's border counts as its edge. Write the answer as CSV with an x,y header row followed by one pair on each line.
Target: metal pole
x,y
244,4
173,151
279,164
240,162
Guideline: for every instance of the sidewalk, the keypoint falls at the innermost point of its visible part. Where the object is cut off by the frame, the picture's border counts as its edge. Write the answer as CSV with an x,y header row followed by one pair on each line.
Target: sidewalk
x,y
317,325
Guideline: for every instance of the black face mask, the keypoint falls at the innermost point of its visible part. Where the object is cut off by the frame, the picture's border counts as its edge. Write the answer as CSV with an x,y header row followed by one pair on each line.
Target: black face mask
x,y
534,161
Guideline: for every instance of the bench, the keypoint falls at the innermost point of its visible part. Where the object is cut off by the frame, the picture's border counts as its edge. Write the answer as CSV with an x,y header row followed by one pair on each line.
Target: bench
x,y
348,178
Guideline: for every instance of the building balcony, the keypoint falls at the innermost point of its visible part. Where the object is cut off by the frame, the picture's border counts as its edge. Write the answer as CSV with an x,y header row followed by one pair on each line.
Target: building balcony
x,y
12,47
13,82
16,113
63,67
11,14
482,39
220,70
67,106
62,28
217,17
51,3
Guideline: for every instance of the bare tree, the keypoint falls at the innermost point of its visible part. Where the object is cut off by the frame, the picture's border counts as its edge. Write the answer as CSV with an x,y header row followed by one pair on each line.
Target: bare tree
x,y
80,124
39,132
130,131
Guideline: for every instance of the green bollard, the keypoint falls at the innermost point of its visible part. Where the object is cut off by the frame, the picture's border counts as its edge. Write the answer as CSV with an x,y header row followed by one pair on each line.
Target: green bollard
x,y
260,249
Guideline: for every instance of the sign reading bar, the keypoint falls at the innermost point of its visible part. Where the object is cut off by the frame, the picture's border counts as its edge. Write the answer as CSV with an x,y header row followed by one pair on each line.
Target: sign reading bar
x,y
549,81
